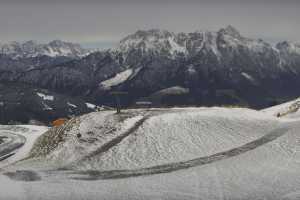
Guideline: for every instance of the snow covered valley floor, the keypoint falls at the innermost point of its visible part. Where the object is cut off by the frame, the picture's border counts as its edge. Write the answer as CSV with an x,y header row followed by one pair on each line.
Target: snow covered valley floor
x,y
180,153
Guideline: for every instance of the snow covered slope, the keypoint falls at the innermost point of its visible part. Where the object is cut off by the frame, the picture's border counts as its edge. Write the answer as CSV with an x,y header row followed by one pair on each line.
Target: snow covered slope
x,y
118,78
288,110
187,153
29,133
182,135
83,136
141,138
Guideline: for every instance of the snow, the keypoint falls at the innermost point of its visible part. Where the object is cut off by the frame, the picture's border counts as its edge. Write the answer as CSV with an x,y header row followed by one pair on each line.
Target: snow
x,y
170,44
287,110
74,106
292,47
11,189
175,90
33,49
175,47
153,41
45,97
30,132
256,45
51,52
191,69
183,135
46,107
213,44
96,129
117,79
91,106
269,171
248,76
203,40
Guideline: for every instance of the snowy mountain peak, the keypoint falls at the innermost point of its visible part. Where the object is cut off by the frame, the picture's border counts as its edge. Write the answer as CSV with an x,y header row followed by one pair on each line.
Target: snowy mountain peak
x,y
171,44
154,41
57,42
224,43
30,42
288,47
157,33
230,30
32,48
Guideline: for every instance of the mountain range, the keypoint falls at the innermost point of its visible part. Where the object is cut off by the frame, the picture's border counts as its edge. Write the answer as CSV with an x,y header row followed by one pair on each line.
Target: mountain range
x,y
55,48
201,68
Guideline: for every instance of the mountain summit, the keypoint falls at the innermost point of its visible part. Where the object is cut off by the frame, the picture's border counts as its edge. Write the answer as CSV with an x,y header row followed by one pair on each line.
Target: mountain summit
x,y
216,43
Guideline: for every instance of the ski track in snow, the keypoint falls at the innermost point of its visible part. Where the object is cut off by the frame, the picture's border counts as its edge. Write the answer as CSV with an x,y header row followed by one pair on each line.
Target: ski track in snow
x,y
22,139
177,136
105,147
94,175
9,146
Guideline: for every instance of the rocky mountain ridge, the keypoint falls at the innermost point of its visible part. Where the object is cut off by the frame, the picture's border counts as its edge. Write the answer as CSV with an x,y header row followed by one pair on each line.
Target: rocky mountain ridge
x,y
55,48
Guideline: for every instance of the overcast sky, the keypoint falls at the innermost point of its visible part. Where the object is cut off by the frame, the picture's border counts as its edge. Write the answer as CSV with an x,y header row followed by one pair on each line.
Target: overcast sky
x,y
104,22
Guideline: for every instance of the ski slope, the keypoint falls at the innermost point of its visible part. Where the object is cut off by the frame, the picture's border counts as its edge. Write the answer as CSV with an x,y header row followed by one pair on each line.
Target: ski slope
x,y
182,135
179,153
23,138
286,110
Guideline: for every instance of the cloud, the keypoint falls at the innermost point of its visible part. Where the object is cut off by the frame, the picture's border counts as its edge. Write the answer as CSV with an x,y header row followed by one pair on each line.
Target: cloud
x,y
108,21
145,1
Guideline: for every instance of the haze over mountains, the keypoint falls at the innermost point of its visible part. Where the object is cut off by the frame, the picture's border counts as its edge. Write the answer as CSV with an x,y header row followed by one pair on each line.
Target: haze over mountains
x,y
166,68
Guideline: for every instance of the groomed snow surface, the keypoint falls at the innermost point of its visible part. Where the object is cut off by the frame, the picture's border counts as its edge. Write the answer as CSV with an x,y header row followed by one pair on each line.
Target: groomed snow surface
x,y
29,132
242,153
182,135
289,110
